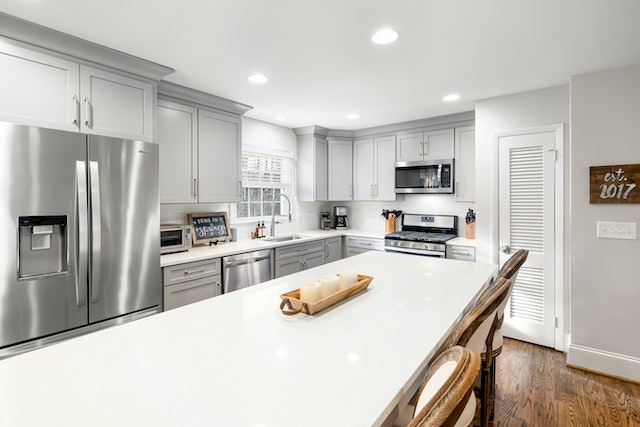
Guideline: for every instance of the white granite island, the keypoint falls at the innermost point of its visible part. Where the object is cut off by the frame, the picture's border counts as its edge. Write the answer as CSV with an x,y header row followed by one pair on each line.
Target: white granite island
x,y
235,360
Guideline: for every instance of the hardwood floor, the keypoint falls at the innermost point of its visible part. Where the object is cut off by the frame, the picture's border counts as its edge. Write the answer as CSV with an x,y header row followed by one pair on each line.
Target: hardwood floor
x,y
536,388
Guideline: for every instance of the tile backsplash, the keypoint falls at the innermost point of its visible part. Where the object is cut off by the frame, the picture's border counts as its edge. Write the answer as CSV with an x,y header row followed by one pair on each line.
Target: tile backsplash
x,y
306,215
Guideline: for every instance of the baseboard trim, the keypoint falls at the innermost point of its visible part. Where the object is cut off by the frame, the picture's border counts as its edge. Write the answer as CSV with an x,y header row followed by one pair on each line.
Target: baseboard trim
x,y
612,364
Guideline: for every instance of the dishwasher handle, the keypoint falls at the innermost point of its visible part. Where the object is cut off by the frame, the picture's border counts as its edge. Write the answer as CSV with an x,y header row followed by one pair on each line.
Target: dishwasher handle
x,y
233,263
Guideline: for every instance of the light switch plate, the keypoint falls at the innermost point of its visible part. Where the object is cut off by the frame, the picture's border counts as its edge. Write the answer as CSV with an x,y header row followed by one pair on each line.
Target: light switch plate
x,y
616,230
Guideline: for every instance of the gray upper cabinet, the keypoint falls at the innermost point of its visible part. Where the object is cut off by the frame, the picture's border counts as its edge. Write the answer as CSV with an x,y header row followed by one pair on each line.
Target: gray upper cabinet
x,y
200,146
340,172
432,145
115,105
409,147
48,91
312,168
374,168
178,139
465,164
219,152
48,94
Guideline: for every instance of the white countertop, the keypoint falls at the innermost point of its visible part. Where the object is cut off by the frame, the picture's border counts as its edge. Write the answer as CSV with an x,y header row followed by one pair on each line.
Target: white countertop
x,y
462,241
247,245
235,360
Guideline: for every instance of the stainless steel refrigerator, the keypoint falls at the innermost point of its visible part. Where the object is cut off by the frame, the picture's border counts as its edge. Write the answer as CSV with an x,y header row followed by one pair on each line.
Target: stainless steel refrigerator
x,y
79,241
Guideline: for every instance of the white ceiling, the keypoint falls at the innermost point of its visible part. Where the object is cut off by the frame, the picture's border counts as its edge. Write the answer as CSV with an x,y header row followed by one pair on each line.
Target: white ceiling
x,y
322,65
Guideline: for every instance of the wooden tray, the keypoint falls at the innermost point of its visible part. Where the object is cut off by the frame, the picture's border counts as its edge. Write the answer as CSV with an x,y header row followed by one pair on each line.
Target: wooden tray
x,y
291,303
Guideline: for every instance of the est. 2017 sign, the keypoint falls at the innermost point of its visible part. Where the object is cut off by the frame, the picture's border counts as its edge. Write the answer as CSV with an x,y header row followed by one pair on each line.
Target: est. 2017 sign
x,y
614,184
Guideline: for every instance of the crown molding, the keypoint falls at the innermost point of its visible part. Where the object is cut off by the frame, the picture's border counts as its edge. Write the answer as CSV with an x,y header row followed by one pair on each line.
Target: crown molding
x,y
27,32
173,91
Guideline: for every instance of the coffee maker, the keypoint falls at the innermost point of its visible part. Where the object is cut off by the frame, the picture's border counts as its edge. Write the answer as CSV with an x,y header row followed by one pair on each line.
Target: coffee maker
x,y
340,217
325,221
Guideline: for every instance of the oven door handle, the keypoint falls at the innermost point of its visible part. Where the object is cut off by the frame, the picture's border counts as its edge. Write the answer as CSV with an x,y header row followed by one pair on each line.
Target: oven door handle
x,y
433,254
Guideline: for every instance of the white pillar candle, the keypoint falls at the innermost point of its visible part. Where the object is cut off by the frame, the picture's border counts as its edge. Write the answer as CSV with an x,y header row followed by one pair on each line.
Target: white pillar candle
x,y
348,278
310,292
330,285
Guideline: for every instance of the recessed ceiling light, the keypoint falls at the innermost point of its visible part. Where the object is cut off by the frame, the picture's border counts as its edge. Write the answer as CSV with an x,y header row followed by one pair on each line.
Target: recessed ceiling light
x,y
451,97
384,36
280,118
257,78
353,116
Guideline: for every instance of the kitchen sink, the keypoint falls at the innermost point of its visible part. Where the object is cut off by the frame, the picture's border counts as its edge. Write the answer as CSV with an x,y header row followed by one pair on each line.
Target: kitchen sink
x,y
283,238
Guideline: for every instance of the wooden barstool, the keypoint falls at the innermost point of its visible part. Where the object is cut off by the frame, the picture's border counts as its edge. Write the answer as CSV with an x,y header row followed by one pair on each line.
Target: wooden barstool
x,y
508,271
475,332
446,397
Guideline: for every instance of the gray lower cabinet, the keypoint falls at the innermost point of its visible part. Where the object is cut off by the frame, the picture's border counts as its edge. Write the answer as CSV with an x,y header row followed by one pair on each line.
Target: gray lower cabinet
x,y
332,249
465,253
191,282
357,245
294,258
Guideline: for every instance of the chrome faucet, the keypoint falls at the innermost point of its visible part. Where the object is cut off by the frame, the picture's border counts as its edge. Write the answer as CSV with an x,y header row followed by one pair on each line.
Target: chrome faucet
x,y
273,214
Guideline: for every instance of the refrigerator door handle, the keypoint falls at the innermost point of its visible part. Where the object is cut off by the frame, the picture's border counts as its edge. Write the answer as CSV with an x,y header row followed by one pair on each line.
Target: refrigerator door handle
x,y
83,230
96,223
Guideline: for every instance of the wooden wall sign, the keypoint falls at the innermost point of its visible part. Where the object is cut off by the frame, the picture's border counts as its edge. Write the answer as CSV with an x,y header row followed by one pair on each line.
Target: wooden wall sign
x,y
209,227
614,184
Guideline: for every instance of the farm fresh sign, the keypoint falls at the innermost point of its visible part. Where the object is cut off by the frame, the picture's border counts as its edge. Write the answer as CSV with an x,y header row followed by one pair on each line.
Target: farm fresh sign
x,y
614,184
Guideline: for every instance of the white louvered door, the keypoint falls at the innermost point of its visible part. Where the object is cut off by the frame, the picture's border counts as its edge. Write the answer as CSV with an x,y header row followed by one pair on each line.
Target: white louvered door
x,y
527,214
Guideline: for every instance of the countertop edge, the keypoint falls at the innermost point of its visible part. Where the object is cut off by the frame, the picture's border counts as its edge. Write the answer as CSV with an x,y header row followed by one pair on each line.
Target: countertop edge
x,y
223,249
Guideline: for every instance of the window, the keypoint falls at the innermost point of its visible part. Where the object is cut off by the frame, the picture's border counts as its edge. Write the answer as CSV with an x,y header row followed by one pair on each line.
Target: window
x,y
263,177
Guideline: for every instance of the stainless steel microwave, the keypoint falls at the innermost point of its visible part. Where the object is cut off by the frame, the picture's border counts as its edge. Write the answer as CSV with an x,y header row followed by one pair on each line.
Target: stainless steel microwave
x,y
175,238
424,177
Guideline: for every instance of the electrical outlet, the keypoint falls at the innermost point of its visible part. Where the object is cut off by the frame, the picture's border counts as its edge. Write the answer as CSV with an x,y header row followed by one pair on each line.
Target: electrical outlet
x,y
616,230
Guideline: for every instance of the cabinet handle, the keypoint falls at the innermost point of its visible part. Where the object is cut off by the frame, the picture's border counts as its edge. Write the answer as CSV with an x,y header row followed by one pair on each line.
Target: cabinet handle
x,y
195,187
187,272
375,186
425,150
87,112
240,189
76,110
460,252
315,192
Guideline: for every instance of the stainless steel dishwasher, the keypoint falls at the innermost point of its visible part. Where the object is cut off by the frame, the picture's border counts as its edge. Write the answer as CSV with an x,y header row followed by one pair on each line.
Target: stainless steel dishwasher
x,y
247,269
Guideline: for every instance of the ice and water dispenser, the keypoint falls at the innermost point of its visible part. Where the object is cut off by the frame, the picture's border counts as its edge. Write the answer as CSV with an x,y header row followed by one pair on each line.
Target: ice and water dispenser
x,y
43,246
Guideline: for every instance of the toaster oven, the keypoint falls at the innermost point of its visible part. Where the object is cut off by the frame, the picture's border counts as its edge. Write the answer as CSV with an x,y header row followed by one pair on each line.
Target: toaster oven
x,y
175,238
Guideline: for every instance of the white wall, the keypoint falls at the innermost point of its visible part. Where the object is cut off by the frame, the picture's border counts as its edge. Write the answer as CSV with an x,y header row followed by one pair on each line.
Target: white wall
x,y
267,138
605,284
522,110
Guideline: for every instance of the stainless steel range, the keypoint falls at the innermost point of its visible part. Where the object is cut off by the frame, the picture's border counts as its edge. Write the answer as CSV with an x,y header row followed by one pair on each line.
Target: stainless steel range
x,y
424,235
